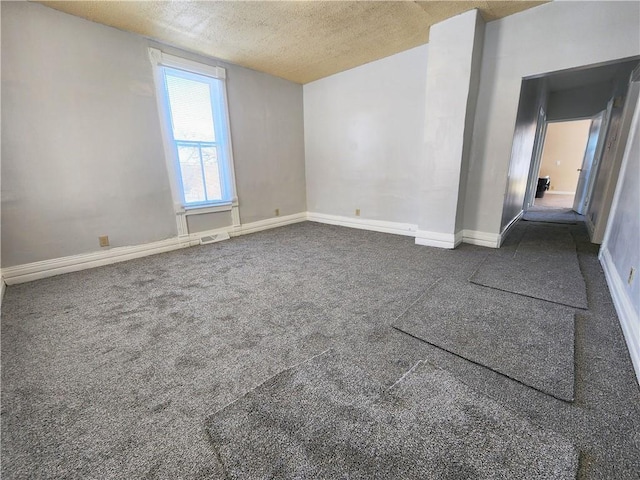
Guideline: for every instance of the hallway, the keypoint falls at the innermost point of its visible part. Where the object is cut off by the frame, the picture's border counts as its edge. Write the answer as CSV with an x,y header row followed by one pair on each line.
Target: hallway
x,y
551,200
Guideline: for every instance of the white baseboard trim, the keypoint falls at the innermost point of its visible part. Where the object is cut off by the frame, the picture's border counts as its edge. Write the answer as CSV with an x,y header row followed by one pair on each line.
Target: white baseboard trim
x,y
48,268
437,239
423,237
629,318
507,229
397,228
483,239
558,192
267,224
57,266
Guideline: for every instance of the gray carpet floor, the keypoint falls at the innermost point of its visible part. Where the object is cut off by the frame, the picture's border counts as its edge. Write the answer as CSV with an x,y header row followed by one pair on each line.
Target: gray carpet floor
x,y
551,215
543,265
111,372
327,418
525,339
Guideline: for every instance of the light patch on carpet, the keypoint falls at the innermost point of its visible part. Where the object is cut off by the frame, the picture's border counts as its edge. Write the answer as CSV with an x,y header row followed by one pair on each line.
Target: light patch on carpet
x,y
328,419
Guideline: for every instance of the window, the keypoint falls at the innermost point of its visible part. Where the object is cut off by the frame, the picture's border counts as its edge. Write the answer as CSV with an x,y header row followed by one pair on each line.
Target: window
x,y
193,107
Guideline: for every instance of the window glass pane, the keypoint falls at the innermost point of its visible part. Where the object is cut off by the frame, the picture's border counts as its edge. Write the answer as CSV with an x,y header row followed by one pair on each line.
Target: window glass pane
x,y
190,102
196,109
191,172
211,173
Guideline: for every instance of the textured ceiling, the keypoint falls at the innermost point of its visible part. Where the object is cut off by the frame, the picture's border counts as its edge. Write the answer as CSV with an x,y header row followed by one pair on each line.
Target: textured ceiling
x,y
301,41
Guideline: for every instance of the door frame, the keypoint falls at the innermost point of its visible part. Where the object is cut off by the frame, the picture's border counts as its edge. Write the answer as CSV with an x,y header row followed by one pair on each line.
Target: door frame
x,y
534,168
536,159
597,156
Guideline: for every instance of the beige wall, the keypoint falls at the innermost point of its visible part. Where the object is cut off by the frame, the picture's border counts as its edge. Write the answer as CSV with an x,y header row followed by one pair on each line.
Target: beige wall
x,y
563,152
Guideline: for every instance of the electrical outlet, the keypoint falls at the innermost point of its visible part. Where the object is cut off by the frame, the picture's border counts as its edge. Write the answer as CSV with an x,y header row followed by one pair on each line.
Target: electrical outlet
x,y
104,241
357,212
632,274
277,212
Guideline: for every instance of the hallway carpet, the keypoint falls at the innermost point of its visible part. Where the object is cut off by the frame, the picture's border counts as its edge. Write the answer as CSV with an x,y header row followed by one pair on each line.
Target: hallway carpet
x,y
544,265
112,372
551,215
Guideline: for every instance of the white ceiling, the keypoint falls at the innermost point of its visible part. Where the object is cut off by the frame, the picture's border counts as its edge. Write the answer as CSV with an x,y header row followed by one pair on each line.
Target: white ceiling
x,y
300,41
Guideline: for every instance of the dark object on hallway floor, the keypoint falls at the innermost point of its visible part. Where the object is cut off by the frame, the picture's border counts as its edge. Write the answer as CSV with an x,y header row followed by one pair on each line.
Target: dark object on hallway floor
x,y
543,185
543,265
526,339
326,418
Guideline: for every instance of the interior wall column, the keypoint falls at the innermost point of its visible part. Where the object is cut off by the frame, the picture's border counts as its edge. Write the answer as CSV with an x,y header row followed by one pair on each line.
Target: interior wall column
x,y
453,77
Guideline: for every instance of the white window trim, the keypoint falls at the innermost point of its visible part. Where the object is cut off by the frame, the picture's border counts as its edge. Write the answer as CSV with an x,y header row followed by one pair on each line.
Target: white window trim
x,y
159,58
195,209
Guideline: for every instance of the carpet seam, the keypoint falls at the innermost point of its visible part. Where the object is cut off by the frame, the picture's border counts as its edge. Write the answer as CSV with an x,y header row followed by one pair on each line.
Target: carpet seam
x,y
489,368
584,279
268,379
418,299
216,452
479,266
211,441
405,374
475,282
506,407
526,228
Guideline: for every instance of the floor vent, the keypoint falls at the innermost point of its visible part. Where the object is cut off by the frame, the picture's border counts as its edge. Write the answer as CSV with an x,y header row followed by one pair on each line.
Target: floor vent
x,y
218,237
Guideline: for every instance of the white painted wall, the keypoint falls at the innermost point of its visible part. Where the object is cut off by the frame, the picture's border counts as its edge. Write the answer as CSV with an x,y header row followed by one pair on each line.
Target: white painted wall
x,y
82,150
623,236
604,190
470,115
267,130
452,46
450,103
364,139
621,246
81,147
554,36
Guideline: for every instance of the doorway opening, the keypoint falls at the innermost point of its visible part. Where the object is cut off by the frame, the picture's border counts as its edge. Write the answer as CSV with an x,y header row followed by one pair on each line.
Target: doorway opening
x,y
563,152
599,97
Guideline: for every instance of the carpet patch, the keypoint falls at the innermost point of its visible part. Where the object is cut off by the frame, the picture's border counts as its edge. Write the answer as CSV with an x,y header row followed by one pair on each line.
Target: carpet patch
x,y
525,339
544,265
326,419
551,215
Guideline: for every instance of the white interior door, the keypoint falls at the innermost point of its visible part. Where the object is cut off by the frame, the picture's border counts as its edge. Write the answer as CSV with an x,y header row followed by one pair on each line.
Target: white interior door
x,y
581,199
536,159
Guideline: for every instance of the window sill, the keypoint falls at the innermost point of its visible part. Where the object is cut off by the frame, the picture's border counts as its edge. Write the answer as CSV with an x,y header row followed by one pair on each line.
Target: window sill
x,y
198,209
